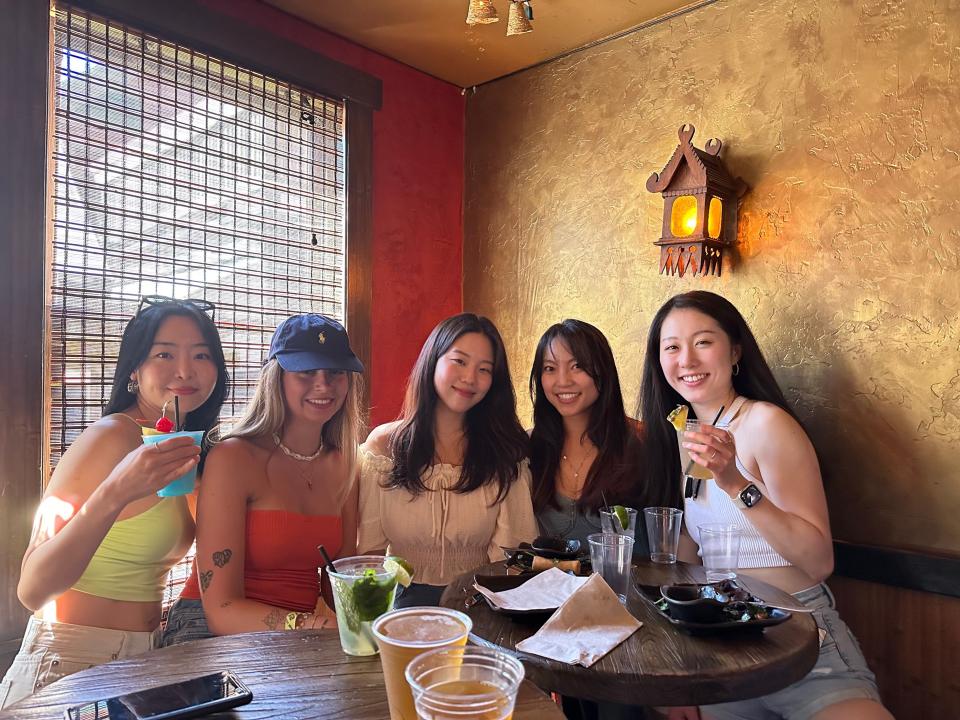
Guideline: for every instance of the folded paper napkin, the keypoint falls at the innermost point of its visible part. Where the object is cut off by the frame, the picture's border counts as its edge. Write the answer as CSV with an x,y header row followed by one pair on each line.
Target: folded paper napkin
x,y
544,591
591,623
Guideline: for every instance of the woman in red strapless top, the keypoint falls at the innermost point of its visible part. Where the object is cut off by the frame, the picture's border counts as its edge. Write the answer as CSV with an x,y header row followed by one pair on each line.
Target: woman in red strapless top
x,y
277,485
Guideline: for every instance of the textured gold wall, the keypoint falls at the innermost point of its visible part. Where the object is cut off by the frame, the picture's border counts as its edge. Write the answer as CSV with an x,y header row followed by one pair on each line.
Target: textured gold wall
x,y
844,117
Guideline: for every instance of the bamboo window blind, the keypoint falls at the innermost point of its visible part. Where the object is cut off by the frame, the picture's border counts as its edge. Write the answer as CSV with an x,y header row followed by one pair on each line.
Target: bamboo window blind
x,y
179,174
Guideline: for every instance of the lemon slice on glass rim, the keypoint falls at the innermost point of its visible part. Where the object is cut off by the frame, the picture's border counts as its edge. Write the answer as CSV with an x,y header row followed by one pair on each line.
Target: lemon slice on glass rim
x,y
401,568
678,417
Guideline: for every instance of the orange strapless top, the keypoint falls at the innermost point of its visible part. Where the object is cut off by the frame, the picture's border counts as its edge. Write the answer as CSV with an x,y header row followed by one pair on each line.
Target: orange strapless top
x,y
282,558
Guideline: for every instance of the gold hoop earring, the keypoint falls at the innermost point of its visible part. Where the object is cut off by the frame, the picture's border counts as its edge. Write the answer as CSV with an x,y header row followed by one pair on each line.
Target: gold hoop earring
x,y
736,369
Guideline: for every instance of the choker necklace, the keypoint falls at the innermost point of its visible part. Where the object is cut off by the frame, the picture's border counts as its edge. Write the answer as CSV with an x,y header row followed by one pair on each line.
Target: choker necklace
x,y
295,455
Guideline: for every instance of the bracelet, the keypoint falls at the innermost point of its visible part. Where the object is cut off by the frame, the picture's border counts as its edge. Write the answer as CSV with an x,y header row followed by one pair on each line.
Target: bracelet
x,y
295,620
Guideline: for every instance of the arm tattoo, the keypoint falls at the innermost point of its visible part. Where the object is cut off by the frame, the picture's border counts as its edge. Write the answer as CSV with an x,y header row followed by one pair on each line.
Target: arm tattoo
x,y
205,577
225,604
222,557
274,619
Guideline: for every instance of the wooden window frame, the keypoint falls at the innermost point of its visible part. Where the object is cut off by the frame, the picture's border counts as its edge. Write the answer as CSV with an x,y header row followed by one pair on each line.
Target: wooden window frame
x,y
25,51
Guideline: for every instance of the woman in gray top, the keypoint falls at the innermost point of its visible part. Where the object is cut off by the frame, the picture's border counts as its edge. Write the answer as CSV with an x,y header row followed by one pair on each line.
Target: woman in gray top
x,y
585,452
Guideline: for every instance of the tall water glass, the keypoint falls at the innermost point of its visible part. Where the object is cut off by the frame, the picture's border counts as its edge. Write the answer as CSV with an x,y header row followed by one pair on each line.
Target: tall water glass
x,y
464,682
663,532
720,547
611,555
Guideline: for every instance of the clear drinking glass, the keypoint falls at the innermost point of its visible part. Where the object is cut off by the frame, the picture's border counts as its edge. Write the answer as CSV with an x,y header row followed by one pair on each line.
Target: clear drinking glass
x,y
362,591
464,682
686,465
406,633
663,532
611,555
610,524
720,547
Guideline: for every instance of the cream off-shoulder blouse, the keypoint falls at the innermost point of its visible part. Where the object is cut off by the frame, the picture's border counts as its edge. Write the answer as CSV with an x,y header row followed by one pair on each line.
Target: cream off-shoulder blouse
x,y
443,534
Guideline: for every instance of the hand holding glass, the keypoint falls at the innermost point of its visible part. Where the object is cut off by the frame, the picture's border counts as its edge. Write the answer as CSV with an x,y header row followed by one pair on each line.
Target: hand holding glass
x,y
184,484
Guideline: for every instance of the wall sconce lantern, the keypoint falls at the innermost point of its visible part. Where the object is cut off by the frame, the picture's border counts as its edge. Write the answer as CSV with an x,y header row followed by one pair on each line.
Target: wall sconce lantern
x,y
700,200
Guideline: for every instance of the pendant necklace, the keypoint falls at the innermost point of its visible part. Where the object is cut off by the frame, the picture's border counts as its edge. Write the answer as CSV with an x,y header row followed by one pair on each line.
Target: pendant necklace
x,y
301,458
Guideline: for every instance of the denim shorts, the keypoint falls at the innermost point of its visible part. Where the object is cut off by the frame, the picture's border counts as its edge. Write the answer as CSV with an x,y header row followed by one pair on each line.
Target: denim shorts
x,y
841,673
53,650
185,622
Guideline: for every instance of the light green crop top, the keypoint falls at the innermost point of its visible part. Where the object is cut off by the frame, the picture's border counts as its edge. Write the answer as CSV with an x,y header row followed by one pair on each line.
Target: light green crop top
x,y
136,554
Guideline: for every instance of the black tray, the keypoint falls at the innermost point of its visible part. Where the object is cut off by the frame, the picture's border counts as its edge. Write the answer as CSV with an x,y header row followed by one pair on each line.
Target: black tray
x,y
652,594
499,583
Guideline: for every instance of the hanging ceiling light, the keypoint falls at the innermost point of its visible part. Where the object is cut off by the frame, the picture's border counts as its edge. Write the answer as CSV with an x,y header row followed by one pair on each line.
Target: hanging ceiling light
x,y
481,12
521,13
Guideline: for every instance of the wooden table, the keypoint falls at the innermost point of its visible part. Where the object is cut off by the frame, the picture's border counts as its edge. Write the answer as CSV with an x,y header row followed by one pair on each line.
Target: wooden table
x,y
658,664
296,674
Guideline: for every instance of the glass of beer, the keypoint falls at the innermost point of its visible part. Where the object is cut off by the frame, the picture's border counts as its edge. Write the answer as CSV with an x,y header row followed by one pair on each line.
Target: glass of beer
x,y
464,682
404,634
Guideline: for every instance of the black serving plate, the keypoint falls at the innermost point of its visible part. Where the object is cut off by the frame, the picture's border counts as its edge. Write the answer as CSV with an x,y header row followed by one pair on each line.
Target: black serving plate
x,y
499,583
708,618
556,548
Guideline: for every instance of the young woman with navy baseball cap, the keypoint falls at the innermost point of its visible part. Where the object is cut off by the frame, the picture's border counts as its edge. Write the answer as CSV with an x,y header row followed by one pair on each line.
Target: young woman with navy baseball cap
x,y
278,484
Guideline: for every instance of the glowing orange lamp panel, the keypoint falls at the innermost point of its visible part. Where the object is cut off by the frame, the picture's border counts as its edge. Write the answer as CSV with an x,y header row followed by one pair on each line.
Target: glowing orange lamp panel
x,y
715,218
683,216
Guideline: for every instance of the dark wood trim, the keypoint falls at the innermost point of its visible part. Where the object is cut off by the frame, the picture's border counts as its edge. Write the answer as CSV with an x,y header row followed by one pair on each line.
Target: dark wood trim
x,y
24,50
360,237
201,28
909,569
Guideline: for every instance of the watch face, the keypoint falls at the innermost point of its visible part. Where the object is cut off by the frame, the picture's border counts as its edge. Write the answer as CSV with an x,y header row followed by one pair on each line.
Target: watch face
x,y
750,495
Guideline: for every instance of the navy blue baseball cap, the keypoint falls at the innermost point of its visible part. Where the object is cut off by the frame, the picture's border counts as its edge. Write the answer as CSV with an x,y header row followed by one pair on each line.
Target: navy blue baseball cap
x,y
313,342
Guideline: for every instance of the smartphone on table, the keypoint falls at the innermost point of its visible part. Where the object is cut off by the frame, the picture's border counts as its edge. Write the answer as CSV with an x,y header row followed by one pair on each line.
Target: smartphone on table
x,y
189,698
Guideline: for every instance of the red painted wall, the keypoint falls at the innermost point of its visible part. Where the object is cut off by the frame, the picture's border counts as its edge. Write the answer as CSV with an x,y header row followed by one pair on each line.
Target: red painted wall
x,y
418,161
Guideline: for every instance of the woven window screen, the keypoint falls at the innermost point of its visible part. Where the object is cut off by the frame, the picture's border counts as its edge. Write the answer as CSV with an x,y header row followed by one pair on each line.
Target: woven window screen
x,y
179,174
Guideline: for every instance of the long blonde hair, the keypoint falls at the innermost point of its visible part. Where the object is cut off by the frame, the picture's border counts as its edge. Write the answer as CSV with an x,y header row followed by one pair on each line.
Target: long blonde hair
x,y
265,413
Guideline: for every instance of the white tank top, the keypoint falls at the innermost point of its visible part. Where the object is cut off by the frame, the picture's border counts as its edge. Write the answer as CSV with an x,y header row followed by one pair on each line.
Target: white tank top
x,y
713,505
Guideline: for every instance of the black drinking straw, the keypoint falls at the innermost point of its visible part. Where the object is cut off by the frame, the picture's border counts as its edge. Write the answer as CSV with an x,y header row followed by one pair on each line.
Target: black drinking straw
x,y
176,411
326,559
690,464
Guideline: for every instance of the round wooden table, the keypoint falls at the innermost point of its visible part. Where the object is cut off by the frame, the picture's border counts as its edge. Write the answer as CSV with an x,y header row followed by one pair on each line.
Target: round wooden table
x,y
295,674
659,664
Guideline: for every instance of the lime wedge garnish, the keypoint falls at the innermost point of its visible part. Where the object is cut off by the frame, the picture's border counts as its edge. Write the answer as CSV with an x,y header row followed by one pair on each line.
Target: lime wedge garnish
x,y
622,516
678,417
401,568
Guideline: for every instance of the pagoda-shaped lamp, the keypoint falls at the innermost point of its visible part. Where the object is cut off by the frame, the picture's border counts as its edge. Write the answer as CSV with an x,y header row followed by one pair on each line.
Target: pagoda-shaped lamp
x,y
700,200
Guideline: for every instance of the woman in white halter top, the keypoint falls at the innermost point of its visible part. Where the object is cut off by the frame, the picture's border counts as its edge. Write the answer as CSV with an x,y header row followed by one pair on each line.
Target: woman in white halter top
x,y
766,480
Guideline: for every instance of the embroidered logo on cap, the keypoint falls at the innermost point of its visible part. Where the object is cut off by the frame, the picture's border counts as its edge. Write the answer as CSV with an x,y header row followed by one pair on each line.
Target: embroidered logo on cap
x,y
322,338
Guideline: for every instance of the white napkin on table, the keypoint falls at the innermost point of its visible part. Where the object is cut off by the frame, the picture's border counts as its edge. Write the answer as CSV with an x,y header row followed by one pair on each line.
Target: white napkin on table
x,y
544,591
591,623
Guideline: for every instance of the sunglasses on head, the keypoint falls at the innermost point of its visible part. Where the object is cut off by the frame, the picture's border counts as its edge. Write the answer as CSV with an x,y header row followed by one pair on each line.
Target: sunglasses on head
x,y
159,300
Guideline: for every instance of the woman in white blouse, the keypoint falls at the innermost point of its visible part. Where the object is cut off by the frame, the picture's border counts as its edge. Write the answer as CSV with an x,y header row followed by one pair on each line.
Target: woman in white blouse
x,y
448,484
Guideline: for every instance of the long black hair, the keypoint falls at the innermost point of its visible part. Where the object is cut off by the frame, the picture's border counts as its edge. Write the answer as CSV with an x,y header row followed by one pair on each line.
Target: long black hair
x,y
753,380
618,474
496,442
135,346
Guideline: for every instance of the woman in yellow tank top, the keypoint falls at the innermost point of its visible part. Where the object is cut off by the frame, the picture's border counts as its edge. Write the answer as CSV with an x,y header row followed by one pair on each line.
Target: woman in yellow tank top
x,y
103,541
